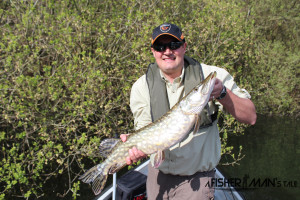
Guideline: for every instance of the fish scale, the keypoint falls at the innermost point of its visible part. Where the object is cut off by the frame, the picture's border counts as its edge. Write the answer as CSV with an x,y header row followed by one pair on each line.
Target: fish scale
x,y
155,137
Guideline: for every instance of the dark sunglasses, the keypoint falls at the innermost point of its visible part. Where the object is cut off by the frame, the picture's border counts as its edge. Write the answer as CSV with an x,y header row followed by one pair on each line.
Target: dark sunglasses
x,y
162,47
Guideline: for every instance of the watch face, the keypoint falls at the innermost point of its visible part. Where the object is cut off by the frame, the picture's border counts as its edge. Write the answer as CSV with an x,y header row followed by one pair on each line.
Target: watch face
x,y
223,93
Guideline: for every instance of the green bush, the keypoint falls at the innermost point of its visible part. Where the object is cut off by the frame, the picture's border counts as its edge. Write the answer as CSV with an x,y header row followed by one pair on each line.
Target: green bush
x,y
67,68
274,57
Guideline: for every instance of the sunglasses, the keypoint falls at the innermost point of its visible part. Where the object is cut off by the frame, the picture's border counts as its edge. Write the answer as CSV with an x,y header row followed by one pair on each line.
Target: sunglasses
x,y
163,47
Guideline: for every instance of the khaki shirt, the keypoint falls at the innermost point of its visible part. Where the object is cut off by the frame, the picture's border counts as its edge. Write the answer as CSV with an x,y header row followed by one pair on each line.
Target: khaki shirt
x,y
196,152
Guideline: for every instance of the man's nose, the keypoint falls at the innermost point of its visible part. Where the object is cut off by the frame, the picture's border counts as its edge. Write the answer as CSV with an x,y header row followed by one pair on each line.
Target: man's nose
x,y
168,51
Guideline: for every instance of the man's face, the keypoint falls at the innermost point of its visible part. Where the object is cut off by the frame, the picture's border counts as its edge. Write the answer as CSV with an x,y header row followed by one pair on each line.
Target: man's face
x,y
169,61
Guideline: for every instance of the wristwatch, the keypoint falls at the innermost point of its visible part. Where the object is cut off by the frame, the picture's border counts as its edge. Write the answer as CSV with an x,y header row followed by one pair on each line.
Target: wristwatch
x,y
223,93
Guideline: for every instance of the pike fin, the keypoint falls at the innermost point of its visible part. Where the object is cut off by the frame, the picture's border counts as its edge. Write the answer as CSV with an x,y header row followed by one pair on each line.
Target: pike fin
x,y
99,184
90,175
116,167
96,176
159,158
197,124
107,145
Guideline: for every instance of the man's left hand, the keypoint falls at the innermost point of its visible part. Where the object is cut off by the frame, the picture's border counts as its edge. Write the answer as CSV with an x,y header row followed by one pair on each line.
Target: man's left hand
x,y
217,90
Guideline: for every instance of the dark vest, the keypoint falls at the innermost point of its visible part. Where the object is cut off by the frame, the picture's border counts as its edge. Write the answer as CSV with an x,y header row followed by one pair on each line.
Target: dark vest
x,y
159,102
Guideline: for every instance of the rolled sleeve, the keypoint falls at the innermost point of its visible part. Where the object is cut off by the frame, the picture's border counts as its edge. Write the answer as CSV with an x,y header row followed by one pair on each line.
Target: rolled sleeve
x,y
229,83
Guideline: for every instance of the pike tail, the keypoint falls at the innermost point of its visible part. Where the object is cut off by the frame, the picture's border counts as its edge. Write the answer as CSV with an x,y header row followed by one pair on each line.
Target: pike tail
x,y
97,175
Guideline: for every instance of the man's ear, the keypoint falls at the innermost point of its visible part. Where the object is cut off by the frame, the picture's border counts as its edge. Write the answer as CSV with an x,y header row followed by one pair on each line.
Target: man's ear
x,y
153,51
184,46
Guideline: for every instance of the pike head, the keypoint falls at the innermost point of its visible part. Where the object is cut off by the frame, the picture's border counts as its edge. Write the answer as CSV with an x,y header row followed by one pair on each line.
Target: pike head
x,y
195,101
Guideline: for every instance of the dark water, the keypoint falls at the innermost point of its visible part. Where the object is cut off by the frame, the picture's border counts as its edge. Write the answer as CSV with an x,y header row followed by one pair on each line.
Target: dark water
x,y
271,166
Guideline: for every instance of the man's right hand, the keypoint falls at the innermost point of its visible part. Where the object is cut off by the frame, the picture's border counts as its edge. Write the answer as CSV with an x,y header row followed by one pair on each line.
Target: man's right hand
x,y
134,154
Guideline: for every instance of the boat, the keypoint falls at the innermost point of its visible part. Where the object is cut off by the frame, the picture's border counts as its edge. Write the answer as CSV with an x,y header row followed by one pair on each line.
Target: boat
x,y
221,192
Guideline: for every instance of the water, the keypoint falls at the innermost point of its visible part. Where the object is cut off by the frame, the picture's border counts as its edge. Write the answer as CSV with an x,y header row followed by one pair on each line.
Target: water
x,y
272,156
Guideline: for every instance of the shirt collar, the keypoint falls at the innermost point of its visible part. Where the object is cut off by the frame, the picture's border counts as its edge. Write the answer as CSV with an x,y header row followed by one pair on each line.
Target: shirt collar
x,y
179,79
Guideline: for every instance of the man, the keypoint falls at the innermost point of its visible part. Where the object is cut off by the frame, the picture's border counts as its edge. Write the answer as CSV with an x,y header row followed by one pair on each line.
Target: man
x,y
190,164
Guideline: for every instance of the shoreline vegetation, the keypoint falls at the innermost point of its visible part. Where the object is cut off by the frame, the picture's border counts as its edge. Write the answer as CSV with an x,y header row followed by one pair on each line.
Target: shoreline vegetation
x,y
67,67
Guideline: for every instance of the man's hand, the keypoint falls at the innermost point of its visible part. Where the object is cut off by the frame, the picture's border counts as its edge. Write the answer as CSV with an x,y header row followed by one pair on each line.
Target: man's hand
x,y
217,90
134,154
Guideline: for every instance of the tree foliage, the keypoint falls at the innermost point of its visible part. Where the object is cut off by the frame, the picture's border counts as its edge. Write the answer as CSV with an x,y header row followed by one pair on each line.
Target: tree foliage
x,y
67,68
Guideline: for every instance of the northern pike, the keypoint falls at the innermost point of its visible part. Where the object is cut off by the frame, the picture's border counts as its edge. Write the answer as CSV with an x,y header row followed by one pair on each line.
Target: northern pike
x,y
153,138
